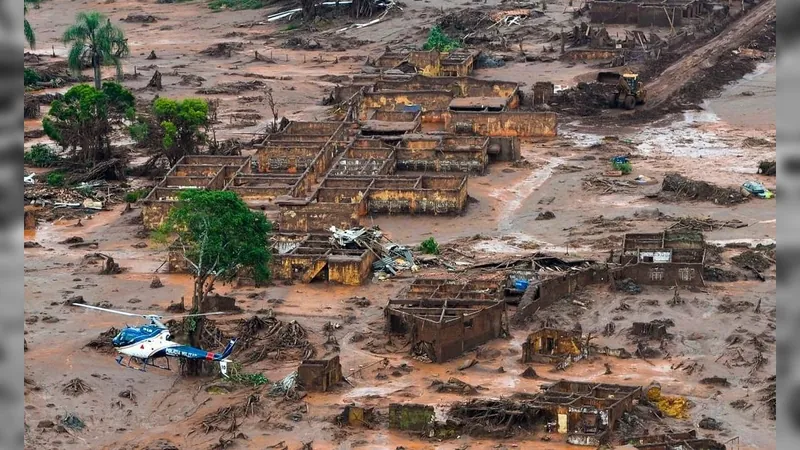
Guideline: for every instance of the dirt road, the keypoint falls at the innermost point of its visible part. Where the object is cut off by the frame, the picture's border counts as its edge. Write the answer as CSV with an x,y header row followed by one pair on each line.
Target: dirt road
x,y
663,88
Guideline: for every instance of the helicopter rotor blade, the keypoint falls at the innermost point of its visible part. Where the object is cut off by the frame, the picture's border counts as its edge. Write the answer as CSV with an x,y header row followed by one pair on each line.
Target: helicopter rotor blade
x,y
108,310
193,315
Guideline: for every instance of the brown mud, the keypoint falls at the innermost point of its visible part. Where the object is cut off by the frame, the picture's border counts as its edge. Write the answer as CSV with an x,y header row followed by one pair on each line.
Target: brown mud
x,y
69,371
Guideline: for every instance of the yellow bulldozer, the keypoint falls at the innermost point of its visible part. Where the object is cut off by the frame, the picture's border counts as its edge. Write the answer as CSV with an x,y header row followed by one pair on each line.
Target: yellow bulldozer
x,y
629,90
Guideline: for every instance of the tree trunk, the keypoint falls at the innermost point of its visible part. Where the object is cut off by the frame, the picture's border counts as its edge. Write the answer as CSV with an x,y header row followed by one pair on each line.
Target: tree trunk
x,y
194,367
309,9
97,75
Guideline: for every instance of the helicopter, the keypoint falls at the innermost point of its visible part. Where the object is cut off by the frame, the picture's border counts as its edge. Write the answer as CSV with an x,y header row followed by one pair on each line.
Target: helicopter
x,y
151,341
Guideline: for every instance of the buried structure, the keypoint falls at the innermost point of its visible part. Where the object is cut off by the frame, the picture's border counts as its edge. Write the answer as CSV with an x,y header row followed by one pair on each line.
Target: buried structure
x,y
666,259
587,413
445,318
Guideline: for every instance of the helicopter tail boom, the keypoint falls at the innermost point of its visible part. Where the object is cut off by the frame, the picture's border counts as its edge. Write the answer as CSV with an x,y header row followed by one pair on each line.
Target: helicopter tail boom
x,y
228,350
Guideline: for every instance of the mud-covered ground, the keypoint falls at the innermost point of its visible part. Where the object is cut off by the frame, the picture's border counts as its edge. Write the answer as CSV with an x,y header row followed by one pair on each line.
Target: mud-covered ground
x,y
714,330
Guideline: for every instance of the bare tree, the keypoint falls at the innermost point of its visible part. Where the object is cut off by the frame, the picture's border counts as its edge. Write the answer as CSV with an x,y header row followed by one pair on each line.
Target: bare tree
x,y
274,108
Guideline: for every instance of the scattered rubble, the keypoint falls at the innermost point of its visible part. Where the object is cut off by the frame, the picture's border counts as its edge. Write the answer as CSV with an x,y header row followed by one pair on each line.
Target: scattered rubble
x,y
767,168
679,187
139,18
233,87
750,259
629,286
103,342
454,386
709,423
76,387
222,49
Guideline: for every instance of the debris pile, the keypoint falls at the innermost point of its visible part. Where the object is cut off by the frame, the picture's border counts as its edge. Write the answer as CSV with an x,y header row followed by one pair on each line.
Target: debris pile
x,y
232,88
701,224
628,285
139,18
287,387
76,387
768,396
222,49
767,168
391,257
103,342
228,419
585,99
679,187
485,417
454,386
750,259
262,337
606,186
71,203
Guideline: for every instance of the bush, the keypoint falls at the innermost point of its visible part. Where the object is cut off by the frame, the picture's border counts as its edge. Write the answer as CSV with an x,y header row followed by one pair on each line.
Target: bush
x,y
41,155
250,379
235,5
139,132
31,77
429,246
625,167
437,40
134,196
55,179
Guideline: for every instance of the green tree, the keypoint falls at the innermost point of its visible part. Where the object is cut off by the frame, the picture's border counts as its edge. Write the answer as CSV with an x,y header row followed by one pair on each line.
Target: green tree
x,y
182,125
173,128
83,120
30,36
94,38
438,40
218,236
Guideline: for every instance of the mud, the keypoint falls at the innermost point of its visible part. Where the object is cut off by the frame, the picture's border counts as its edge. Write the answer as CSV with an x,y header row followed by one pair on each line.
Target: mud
x,y
164,410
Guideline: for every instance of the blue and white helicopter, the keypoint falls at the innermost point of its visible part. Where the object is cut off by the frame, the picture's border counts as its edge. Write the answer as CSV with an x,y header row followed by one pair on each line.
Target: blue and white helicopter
x,y
148,342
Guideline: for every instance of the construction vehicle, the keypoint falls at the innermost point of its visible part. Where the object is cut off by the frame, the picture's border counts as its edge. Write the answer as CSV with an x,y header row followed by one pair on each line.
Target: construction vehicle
x,y
629,90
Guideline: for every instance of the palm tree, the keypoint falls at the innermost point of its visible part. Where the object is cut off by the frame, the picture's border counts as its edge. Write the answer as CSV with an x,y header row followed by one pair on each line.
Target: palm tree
x,y
29,35
94,37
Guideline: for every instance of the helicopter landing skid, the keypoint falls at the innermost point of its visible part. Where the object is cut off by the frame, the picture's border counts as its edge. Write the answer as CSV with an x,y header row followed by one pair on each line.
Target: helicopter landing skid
x,y
145,362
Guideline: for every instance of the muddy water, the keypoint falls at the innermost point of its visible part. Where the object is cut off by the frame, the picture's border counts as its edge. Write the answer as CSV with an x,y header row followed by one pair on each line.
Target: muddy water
x,y
756,109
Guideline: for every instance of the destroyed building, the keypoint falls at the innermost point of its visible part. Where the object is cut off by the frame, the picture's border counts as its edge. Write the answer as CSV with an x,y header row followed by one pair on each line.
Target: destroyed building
x,y
457,63
646,13
672,441
457,105
587,413
319,375
444,318
557,279
190,172
668,258
547,344
309,257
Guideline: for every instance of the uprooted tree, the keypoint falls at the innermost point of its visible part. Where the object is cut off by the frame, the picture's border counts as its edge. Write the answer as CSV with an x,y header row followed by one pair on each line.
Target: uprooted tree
x,y
83,120
218,236
175,127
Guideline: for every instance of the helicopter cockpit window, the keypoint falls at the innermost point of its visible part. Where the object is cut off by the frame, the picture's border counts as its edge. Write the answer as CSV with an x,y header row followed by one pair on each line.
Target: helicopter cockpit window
x,y
125,336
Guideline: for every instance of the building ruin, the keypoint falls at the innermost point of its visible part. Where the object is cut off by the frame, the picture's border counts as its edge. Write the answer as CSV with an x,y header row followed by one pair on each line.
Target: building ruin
x,y
444,318
319,375
668,258
548,344
646,13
